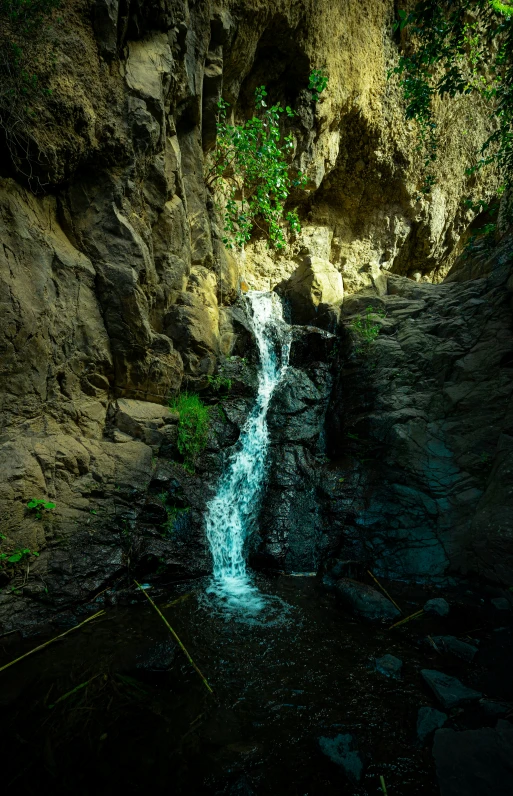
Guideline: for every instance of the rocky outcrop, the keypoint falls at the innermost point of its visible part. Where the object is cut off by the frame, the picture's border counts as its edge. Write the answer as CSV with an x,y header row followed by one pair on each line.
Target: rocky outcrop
x,y
422,418
314,292
114,285
290,529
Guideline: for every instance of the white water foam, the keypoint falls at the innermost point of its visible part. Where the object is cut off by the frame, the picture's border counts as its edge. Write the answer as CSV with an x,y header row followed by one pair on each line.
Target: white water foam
x,y
233,511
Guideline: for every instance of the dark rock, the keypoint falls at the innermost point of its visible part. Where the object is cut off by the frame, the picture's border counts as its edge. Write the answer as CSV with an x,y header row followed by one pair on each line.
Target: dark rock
x,y
365,601
340,751
429,720
105,21
437,606
452,644
390,666
492,708
474,762
501,604
449,690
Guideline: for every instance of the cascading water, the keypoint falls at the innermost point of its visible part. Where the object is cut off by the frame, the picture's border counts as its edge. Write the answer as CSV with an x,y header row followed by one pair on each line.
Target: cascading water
x,y
231,513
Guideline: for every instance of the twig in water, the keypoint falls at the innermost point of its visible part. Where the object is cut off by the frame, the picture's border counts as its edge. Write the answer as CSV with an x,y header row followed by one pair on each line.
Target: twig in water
x,y
383,786
175,636
42,646
384,591
407,619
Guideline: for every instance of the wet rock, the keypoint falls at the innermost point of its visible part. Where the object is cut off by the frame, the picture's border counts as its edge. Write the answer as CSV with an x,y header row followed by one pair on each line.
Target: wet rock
x,y
437,606
364,600
501,604
474,762
429,720
341,751
452,644
449,690
390,666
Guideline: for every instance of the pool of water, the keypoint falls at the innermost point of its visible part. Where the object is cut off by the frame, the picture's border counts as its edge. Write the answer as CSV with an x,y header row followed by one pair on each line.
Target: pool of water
x,y
297,670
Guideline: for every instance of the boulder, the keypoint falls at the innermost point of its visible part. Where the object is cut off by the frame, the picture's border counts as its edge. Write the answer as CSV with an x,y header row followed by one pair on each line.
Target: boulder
x,y
437,606
143,420
390,666
314,287
459,648
449,690
365,601
341,751
501,603
474,762
429,720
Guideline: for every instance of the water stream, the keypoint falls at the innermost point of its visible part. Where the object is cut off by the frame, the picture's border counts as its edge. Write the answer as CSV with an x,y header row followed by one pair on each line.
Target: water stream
x,y
232,512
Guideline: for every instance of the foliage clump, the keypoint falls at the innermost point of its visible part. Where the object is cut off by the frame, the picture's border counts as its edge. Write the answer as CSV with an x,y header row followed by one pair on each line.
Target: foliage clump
x,y
365,328
459,47
38,507
317,82
251,169
193,426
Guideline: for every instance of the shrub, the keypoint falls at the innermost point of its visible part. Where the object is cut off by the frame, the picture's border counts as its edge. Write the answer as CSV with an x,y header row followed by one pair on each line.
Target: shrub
x,y
192,426
365,328
457,47
252,170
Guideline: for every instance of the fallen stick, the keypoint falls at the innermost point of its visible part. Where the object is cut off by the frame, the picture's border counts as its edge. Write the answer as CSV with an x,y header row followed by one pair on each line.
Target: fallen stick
x,y
175,636
383,786
407,619
61,635
384,590
433,643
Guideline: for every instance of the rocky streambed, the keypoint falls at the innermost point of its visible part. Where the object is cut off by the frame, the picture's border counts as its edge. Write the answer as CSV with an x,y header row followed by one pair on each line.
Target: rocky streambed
x,y
310,696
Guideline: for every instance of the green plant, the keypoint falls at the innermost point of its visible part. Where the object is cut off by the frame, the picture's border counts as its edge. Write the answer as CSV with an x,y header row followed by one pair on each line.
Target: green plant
x,y
39,507
219,383
18,555
459,47
173,513
317,82
193,426
251,171
365,327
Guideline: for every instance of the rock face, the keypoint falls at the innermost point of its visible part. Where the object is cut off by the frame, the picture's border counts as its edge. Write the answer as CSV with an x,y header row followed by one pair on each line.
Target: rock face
x,y
421,426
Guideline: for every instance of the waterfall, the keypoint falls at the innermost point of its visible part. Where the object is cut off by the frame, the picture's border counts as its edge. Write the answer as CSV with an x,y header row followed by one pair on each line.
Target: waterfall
x,y
233,510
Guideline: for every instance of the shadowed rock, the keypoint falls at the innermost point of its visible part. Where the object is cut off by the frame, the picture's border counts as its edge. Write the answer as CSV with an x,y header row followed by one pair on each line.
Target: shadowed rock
x,y
449,690
365,601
